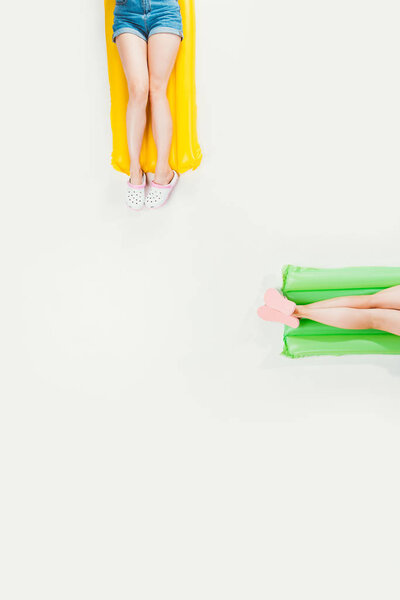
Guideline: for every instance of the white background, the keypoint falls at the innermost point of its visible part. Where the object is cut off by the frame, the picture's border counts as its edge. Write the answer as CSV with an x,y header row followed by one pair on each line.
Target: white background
x,y
153,442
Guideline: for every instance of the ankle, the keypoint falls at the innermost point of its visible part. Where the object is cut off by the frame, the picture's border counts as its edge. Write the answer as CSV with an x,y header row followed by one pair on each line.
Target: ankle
x,y
136,176
163,176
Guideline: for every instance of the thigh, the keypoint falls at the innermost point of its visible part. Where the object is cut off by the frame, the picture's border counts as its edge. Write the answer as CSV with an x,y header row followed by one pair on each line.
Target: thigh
x,y
385,320
389,298
162,53
133,52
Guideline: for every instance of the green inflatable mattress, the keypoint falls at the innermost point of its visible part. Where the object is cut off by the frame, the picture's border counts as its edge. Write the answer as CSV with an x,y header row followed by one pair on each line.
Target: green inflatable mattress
x,y
306,285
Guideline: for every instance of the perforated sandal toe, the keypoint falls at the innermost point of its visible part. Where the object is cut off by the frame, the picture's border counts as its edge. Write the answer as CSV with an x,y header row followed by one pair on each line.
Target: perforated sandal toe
x,y
135,195
159,194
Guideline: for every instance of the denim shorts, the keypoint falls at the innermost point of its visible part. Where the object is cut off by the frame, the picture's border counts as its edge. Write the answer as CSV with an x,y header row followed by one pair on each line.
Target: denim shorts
x,y
146,17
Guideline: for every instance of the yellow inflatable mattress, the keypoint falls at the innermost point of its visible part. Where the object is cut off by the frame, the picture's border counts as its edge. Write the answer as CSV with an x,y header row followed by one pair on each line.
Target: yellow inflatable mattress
x,y
185,150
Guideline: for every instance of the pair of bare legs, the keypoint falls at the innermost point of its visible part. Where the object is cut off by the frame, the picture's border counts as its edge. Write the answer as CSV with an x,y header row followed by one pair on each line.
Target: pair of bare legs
x,y
148,67
376,311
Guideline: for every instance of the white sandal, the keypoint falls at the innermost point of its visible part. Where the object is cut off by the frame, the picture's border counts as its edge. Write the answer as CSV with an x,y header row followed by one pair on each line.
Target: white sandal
x,y
136,194
159,194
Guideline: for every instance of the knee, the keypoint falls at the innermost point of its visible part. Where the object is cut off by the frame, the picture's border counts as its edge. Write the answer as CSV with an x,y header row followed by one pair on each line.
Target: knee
x,y
139,92
158,88
370,301
374,319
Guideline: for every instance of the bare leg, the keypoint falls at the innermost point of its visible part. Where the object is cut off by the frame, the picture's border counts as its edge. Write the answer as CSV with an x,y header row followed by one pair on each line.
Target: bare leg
x,y
162,52
389,298
133,53
353,318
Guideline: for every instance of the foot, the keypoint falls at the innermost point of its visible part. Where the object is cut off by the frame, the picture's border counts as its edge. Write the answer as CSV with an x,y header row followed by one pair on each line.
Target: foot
x,y
274,299
270,314
135,196
136,176
158,194
163,177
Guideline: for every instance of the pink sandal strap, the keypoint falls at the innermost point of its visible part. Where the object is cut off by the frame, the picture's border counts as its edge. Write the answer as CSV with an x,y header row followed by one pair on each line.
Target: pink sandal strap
x,y
139,186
